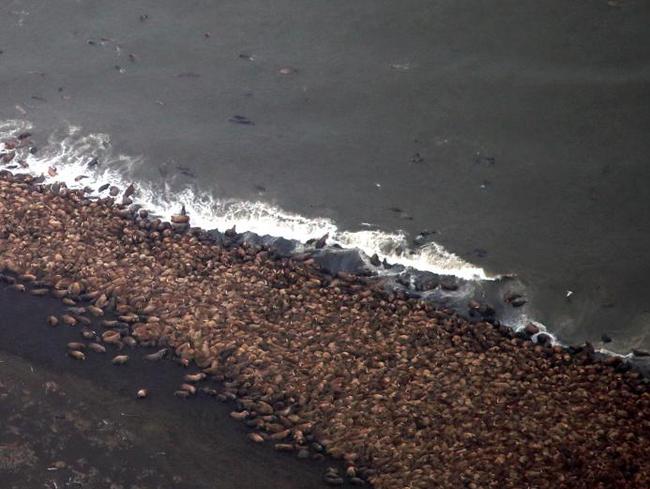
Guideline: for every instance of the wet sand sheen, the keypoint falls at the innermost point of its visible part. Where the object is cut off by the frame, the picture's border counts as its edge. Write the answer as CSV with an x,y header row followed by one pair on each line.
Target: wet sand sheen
x,y
85,415
405,394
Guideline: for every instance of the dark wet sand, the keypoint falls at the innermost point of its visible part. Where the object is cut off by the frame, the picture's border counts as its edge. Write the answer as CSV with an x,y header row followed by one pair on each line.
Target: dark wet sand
x,y
85,414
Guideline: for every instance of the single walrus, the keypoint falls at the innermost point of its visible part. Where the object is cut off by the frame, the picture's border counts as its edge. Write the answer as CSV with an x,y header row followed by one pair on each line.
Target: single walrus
x,y
159,355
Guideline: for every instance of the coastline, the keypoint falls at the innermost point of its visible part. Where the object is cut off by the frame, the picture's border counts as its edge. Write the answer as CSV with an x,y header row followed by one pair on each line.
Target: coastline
x,y
420,267
521,370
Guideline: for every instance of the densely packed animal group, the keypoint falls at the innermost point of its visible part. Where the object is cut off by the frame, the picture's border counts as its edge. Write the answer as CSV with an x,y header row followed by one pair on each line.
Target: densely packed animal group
x,y
406,394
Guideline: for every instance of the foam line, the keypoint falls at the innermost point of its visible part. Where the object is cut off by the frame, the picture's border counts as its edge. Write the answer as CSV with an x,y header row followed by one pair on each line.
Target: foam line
x,y
70,150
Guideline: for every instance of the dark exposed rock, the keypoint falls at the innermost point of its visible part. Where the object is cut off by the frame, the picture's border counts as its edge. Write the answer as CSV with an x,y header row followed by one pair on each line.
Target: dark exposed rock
x,y
335,261
449,283
130,190
404,279
281,247
425,281
320,243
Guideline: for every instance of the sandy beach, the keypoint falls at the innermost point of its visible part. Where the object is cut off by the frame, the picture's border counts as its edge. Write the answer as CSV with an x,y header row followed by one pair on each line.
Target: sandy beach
x,y
401,393
74,424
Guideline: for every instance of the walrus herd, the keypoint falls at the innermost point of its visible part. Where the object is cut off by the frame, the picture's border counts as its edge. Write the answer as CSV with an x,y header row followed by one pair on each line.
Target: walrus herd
x,y
405,394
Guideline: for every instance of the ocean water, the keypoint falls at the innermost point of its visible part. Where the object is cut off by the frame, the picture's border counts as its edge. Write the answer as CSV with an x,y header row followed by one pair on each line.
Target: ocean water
x,y
459,138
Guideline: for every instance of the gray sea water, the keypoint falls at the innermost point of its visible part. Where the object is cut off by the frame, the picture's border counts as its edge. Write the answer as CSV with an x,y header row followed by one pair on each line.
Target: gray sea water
x,y
515,135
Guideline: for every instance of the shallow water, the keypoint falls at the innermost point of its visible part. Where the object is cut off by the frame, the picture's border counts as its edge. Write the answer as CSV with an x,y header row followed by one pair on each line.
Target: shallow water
x,y
516,133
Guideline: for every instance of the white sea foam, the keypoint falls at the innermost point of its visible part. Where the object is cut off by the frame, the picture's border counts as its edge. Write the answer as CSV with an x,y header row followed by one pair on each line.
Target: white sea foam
x,y
69,151
518,323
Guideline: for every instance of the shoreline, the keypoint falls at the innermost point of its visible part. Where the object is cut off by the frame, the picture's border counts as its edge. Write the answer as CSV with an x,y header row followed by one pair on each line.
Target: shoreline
x,y
357,301
506,294
474,300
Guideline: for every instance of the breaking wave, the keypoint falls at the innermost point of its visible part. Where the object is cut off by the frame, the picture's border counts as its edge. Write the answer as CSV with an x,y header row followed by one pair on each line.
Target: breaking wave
x,y
69,156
